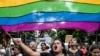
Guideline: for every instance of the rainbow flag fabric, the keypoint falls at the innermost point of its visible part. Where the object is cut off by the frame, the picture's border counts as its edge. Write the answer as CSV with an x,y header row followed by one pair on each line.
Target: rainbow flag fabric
x,y
27,15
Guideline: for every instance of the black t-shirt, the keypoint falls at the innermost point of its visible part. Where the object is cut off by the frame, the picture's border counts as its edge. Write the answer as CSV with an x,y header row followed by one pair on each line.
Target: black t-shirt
x,y
45,54
78,53
48,54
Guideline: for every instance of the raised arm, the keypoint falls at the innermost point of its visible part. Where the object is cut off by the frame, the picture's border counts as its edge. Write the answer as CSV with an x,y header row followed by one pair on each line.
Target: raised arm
x,y
25,48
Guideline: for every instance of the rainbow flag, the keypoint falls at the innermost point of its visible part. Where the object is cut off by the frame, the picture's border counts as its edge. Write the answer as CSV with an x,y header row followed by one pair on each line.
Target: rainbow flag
x,y
27,15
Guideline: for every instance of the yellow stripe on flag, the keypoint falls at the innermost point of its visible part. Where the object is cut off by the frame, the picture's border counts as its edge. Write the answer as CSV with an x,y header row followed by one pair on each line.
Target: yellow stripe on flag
x,y
6,3
85,1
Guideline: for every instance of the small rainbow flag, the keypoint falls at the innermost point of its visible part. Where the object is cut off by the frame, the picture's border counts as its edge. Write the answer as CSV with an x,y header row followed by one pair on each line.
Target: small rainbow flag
x,y
27,15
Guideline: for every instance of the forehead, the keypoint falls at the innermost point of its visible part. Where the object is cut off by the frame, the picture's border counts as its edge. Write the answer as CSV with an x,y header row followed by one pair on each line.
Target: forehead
x,y
32,42
96,50
57,41
43,44
74,39
16,48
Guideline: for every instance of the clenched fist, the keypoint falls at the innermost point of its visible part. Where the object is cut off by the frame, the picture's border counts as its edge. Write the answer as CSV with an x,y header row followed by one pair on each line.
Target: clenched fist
x,y
17,41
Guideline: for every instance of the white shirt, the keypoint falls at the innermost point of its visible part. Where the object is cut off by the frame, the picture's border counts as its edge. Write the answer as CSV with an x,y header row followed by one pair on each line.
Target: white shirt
x,y
2,52
19,54
48,40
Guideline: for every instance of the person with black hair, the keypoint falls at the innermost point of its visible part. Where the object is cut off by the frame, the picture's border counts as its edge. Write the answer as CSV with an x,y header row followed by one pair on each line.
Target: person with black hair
x,y
44,48
73,50
17,51
94,50
33,45
57,49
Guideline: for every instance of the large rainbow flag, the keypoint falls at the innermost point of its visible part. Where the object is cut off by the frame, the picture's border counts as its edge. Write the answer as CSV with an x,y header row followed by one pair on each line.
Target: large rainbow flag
x,y
27,15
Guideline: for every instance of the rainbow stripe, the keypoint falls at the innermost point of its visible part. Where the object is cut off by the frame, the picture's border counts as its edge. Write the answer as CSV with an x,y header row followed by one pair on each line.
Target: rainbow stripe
x,y
86,26
6,3
85,1
27,15
51,17
51,7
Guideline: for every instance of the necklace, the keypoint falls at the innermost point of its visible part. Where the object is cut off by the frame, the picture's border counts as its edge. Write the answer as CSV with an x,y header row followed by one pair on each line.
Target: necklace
x,y
73,51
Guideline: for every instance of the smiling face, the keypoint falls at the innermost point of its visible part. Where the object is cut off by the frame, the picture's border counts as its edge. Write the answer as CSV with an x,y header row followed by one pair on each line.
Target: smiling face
x,y
57,46
43,46
33,46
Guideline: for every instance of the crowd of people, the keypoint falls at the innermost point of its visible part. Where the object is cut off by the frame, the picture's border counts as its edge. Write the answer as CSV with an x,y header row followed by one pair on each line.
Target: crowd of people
x,y
57,48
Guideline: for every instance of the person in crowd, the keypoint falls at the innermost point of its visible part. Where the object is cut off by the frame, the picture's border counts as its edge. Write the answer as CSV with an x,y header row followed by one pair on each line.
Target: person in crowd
x,y
94,50
73,50
44,48
33,45
2,50
84,50
57,49
17,51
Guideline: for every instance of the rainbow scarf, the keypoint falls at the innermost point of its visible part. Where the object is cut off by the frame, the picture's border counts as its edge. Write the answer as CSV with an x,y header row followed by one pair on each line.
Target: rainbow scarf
x,y
27,15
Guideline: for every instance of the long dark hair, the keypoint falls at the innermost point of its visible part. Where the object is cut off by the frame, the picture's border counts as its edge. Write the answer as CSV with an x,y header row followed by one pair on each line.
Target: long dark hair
x,y
63,50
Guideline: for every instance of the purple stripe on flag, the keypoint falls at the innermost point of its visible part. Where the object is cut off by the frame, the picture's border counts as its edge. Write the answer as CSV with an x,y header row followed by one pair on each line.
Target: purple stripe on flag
x,y
86,26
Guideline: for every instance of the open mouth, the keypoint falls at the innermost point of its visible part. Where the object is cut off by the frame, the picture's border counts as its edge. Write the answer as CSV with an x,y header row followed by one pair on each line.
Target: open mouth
x,y
55,47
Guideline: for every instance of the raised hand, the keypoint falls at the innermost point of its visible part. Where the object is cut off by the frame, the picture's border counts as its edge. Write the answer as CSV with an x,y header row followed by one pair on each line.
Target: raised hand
x,y
17,41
